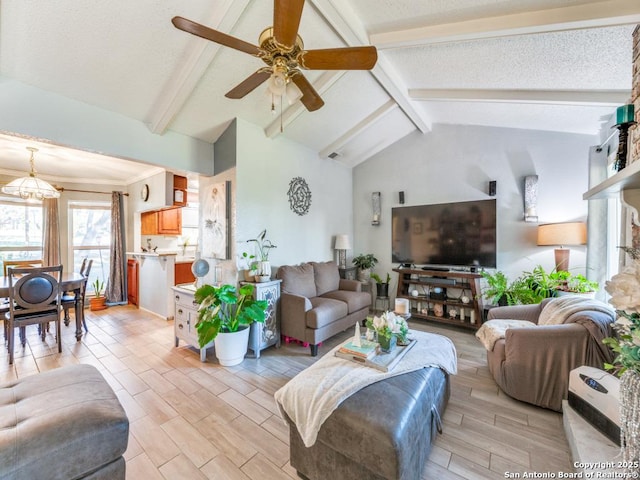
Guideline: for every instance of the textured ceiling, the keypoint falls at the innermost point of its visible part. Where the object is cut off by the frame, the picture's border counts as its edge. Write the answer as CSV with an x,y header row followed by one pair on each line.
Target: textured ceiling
x,y
440,61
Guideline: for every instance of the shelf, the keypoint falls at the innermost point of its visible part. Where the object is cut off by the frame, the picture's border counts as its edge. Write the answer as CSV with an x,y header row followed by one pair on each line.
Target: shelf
x,y
624,185
447,320
449,302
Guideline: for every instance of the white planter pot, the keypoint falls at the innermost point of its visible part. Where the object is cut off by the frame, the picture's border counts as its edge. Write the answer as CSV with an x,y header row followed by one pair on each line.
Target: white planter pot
x,y
232,347
264,268
364,274
589,295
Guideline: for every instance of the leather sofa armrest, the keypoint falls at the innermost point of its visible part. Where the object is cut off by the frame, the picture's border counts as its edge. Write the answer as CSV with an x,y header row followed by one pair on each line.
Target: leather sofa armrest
x,y
293,310
350,285
516,312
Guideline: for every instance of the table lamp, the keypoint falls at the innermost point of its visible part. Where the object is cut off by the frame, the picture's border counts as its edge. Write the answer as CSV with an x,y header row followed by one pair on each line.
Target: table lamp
x,y
342,245
561,234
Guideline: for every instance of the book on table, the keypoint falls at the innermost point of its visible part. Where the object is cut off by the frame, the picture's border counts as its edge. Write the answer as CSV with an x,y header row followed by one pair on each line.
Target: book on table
x,y
367,349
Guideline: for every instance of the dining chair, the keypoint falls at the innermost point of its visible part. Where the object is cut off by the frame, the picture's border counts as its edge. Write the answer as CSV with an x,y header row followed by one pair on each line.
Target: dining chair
x,y
69,298
34,295
21,264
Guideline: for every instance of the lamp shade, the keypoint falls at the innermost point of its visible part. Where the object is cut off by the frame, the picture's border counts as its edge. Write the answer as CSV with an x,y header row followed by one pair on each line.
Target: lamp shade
x,y
570,233
342,242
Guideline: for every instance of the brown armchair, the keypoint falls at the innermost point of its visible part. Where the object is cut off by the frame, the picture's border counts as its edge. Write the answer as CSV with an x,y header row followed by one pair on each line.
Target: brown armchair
x,y
532,364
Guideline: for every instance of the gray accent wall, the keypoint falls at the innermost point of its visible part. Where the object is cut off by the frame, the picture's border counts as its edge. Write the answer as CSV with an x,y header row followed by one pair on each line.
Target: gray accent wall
x,y
455,163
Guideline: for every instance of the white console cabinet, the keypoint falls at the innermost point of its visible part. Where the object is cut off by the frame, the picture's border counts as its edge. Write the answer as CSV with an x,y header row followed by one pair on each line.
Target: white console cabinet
x,y
265,334
185,320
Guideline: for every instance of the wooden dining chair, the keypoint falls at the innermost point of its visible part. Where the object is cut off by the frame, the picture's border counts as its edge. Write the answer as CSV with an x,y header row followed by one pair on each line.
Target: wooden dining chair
x,y
69,298
34,295
21,264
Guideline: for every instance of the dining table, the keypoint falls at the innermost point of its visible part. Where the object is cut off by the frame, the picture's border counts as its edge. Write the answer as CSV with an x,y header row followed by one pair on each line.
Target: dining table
x,y
71,282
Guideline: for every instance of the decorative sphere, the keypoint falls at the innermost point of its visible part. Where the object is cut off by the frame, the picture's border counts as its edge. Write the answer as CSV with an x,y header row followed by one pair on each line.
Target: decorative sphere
x,y
414,293
200,268
465,299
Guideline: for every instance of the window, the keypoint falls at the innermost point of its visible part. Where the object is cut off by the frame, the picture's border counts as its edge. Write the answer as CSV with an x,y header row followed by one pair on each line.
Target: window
x,y
90,237
21,227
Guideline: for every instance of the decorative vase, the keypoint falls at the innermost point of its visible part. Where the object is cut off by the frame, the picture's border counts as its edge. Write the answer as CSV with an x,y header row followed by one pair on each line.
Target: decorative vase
x,y
382,289
387,344
630,418
231,347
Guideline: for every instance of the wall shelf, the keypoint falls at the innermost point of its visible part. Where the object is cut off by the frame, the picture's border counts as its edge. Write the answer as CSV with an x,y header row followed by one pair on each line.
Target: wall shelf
x,y
625,185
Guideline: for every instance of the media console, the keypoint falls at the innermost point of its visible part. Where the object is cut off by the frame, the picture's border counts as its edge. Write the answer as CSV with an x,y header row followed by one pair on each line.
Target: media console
x,y
440,296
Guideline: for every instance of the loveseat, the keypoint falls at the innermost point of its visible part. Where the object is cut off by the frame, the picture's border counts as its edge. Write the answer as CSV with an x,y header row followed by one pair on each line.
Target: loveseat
x,y
316,303
531,361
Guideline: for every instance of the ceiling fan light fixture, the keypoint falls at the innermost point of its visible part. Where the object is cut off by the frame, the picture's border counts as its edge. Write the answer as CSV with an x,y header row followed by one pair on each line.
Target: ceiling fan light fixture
x,y
293,93
277,83
31,187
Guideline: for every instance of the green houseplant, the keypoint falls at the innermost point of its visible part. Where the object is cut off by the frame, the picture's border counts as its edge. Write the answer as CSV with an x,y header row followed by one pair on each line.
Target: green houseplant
x,y
365,262
382,286
98,301
224,316
263,246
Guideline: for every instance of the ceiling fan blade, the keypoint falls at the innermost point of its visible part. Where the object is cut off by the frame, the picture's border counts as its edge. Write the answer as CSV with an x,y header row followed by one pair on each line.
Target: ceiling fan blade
x,y
286,20
214,35
350,58
310,98
248,85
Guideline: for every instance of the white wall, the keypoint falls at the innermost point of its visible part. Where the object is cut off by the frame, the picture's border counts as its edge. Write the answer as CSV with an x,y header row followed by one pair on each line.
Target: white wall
x,y
264,169
455,163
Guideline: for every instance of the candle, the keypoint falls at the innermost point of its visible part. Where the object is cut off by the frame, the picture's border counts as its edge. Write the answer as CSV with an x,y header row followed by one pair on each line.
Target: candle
x,y
624,114
472,316
402,306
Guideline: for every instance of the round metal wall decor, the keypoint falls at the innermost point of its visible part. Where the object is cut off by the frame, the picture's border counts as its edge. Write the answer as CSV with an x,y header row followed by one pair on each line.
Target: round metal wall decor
x,y
299,196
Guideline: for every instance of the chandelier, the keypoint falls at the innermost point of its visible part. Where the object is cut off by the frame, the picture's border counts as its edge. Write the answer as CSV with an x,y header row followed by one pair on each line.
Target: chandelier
x,y
31,187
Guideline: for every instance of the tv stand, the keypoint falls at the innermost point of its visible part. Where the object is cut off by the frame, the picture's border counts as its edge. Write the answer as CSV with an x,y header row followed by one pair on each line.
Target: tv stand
x,y
443,290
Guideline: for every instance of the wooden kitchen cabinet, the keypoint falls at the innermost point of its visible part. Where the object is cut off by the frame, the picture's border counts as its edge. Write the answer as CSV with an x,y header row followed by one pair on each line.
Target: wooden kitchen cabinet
x,y
184,274
179,191
132,281
162,222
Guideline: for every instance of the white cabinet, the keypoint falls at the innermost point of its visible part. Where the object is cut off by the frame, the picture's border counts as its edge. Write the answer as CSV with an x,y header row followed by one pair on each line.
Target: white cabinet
x,y
185,320
265,334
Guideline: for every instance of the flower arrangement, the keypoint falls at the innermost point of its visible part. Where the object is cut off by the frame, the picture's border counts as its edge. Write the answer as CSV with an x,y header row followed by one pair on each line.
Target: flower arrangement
x,y
389,325
624,289
263,245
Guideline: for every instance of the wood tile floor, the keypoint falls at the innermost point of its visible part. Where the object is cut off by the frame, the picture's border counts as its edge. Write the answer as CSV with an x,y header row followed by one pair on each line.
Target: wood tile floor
x,y
192,420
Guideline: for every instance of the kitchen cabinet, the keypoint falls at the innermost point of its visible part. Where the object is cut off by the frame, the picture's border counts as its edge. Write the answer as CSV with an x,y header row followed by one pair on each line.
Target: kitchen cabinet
x,y
132,281
184,274
161,222
186,317
179,191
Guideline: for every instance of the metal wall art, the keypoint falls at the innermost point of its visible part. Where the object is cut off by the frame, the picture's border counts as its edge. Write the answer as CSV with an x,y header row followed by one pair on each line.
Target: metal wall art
x,y
530,198
299,196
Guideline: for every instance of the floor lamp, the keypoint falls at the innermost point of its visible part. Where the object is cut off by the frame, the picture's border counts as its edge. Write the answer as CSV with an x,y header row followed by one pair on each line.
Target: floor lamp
x,y
342,245
561,234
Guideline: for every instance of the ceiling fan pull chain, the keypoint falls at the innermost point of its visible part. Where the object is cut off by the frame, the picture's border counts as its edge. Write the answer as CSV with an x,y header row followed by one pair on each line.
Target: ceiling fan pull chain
x,y
281,127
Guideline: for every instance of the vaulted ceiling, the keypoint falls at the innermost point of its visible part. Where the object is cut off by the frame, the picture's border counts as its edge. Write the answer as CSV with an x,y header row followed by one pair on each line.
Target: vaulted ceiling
x,y
560,65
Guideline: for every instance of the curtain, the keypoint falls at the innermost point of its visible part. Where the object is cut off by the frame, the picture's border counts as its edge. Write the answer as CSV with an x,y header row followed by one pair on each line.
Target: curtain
x,y
50,233
116,291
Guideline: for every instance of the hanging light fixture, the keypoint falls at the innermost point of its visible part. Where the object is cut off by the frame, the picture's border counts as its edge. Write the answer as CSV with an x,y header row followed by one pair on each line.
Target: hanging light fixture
x,y
31,187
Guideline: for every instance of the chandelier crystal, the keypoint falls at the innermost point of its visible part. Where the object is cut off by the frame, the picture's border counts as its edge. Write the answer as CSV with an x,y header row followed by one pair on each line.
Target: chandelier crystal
x,y
31,187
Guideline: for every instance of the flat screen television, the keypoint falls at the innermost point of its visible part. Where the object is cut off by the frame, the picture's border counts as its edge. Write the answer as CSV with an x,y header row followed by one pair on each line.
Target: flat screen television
x,y
461,234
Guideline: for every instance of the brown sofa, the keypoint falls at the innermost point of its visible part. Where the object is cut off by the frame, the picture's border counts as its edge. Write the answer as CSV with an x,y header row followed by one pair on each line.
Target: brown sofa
x,y
316,303
533,364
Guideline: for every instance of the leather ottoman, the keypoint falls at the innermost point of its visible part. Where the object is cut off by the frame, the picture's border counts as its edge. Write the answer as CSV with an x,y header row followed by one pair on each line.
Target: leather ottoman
x,y
62,424
383,431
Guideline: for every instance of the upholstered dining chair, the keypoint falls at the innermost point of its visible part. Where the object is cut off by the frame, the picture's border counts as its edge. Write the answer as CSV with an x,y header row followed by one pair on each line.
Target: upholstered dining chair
x,y
69,298
34,295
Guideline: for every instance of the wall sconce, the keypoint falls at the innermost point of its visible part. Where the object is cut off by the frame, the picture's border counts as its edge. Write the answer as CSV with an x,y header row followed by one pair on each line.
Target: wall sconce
x,y
342,245
571,233
530,198
375,200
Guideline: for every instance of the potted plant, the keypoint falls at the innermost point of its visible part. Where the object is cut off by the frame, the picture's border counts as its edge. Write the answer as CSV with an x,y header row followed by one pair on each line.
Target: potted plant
x,y
249,266
382,287
576,284
224,316
264,246
497,287
97,302
365,262
390,329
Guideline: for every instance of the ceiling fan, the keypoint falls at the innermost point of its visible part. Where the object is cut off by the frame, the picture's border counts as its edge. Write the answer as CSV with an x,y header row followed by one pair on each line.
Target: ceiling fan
x,y
281,48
